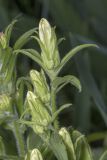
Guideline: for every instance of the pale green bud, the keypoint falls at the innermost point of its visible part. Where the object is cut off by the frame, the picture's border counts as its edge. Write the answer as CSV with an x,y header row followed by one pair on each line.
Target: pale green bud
x,y
68,143
36,155
48,43
40,115
5,103
3,40
44,32
40,85
65,135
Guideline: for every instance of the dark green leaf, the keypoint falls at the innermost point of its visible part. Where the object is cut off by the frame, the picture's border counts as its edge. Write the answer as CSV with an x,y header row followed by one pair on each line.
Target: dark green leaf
x,y
8,31
71,53
35,57
59,110
58,147
60,82
82,149
23,39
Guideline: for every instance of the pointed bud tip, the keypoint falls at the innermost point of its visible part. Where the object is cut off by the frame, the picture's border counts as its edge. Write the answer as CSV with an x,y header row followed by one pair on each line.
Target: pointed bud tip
x,y
44,31
34,74
36,155
30,95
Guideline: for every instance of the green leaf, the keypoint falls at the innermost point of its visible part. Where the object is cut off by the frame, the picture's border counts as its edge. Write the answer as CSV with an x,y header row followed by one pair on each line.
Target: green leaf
x,y
31,139
7,53
8,157
34,52
20,86
59,110
104,156
23,39
26,81
57,146
96,136
30,55
60,40
82,149
2,147
8,31
10,68
71,53
60,82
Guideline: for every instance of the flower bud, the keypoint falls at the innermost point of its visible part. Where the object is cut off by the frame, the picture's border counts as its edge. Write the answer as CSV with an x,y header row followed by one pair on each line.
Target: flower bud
x,y
40,115
36,155
65,135
3,40
68,143
48,43
40,85
44,32
5,104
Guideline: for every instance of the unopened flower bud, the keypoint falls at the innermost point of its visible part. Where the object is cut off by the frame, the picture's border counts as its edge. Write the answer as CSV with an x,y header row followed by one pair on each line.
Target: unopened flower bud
x,y
44,32
5,104
3,40
40,85
40,115
50,54
36,155
68,143
65,135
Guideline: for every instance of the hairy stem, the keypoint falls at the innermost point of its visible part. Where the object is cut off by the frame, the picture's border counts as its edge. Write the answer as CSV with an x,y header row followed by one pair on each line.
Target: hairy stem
x,y
53,104
19,138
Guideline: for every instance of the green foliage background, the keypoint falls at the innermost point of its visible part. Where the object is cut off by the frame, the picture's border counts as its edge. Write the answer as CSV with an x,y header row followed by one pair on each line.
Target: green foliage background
x,y
79,22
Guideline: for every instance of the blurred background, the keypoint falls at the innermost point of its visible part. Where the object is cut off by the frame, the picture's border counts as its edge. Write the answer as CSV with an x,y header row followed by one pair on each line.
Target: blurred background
x,y
79,21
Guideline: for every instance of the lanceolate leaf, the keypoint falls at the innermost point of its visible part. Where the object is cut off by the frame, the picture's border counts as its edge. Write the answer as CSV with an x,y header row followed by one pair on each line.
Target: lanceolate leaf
x,y
34,52
10,69
104,156
57,146
60,40
82,149
25,80
71,53
60,109
6,59
8,31
8,157
24,39
60,82
35,57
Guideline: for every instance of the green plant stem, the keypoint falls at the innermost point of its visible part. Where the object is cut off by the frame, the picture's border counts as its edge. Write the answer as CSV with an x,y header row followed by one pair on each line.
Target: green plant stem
x,y
53,104
2,147
19,138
